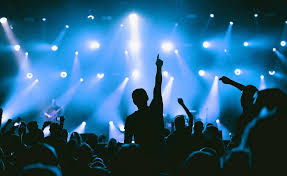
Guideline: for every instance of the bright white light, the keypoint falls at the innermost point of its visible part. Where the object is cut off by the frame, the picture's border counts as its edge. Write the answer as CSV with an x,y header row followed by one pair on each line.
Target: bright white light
x,y
111,123
126,52
167,46
122,25
84,123
217,121
274,49
255,15
212,15
100,75
26,53
245,44
135,74
231,22
201,72
94,45
272,72
206,44
67,26
237,71
122,128
285,22
172,78
134,45
17,47
133,18
216,77
77,53
91,17
176,51
262,77
44,19
54,48
81,79
29,75
3,20
37,80
283,43
225,50
63,74
165,73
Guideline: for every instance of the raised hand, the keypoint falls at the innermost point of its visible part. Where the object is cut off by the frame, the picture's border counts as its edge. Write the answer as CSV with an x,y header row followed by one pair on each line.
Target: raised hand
x,y
159,62
180,101
225,80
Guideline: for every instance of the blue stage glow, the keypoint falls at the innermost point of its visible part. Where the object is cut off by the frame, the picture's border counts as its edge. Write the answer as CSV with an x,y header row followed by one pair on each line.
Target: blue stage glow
x,y
201,72
29,75
211,15
63,74
17,47
231,22
206,44
271,72
246,44
3,20
100,75
44,19
94,45
167,46
67,26
283,43
91,17
237,71
274,49
54,48
81,79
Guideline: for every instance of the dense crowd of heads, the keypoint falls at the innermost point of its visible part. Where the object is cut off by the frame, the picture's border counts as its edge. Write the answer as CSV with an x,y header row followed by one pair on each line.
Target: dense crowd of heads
x,y
258,146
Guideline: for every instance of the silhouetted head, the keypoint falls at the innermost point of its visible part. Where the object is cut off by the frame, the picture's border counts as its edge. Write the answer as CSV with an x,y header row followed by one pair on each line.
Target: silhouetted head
x,y
198,127
55,129
42,153
247,97
179,123
211,132
32,126
85,154
140,98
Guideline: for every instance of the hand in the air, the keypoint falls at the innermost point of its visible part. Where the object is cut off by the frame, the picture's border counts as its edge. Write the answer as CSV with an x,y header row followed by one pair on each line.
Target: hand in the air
x,y
159,62
180,101
225,80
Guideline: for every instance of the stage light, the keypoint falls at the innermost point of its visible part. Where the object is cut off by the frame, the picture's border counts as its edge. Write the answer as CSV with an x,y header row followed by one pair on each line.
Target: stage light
x,y
217,121
54,48
94,45
262,77
216,77
77,53
111,122
286,22
212,15
100,75
134,45
81,79
91,17
84,123
237,71
17,47
176,24
63,74
29,75
3,20
165,74
126,52
201,72
283,43
26,53
225,50
135,74
133,18
172,78
122,128
231,22
274,49
255,15
122,25
167,46
67,26
176,51
37,80
44,19
206,44
246,44
271,72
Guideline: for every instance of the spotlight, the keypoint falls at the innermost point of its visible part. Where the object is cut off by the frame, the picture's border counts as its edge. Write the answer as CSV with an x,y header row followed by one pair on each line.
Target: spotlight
x,y
246,44
91,17
54,48
26,53
127,78
111,123
212,15
81,79
216,77
133,18
29,75
77,53
94,45
122,128
255,15
37,80
84,123
44,19
231,22
64,74
274,49
167,46
165,73
225,50
217,121
126,52
283,43
206,44
201,72
135,74
262,77
122,25
172,78
67,26
134,45
272,72
237,71
17,47
100,75
3,20
176,51
286,22
176,24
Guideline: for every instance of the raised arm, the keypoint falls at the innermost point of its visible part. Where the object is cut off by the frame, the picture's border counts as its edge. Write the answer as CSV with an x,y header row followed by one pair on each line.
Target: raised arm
x,y
190,116
158,80
128,131
1,113
226,80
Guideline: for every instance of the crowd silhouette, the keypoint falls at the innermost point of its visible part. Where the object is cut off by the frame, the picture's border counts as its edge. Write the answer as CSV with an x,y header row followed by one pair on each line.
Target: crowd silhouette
x,y
258,146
